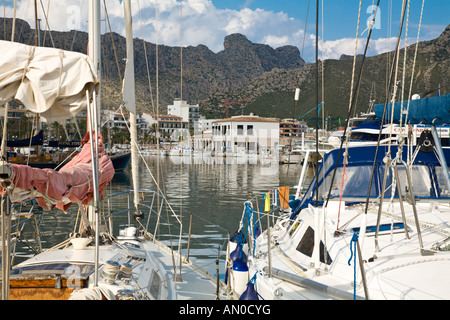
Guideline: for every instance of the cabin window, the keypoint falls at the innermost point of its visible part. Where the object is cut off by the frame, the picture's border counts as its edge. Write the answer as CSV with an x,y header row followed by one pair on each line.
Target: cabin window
x,y
306,246
445,142
155,285
421,180
384,228
295,227
356,183
442,183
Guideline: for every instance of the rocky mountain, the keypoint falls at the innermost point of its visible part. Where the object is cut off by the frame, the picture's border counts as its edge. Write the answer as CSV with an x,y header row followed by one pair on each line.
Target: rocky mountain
x,y
272,93
243,70
203,71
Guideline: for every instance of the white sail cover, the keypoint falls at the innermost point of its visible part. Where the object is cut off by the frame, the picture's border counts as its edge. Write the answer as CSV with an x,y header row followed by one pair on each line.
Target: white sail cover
x,y
48,81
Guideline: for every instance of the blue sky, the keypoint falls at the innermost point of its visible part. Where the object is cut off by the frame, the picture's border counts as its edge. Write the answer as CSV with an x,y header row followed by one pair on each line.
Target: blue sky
x,y
340,16
272,22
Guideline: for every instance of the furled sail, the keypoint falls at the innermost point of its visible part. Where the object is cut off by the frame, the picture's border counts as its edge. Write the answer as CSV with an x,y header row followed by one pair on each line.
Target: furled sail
x,y
50,188
48,81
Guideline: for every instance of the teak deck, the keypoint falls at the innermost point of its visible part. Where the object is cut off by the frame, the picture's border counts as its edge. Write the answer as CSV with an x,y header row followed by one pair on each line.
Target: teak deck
x,y
43,287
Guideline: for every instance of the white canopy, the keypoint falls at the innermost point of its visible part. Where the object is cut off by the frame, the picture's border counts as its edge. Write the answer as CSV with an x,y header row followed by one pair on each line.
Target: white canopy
x,y
48,81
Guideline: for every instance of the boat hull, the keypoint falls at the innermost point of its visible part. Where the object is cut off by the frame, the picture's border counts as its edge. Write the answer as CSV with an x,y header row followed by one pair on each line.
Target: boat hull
x,y
120,161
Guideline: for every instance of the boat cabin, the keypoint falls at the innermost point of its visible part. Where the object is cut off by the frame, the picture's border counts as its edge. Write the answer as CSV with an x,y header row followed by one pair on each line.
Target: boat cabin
x,y
428,178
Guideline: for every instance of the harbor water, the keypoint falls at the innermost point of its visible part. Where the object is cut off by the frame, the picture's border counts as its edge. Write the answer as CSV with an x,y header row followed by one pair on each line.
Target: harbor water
x,y
210,190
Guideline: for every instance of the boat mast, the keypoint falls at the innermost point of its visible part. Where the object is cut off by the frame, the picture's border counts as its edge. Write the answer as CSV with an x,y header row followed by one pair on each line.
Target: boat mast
x,y
93,112
129,99
316,165
5,204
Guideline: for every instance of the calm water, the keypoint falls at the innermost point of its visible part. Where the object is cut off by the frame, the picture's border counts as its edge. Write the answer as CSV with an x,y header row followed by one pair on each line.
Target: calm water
x,y
212,189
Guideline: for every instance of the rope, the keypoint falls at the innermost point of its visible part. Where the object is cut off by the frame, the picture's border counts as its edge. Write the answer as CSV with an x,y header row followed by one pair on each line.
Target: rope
x,y
318,107
148,168
404,72
344,178
394,94
414,61
47,26
253,281
353,255
352,105
112,42
385,106
354,58
146,58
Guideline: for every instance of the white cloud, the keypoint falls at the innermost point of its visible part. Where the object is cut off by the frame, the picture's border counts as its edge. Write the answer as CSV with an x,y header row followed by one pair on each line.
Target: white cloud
x,y
334,49
276,41
202,23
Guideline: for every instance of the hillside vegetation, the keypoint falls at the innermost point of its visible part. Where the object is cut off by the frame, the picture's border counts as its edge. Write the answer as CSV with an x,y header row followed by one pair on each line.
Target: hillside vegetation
x,y
267,77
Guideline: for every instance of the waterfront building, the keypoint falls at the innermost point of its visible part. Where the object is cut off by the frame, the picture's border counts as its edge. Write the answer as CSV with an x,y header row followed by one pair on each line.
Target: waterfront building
x,y
189,113
169,125
203,125
245,134
291,131
203,141
115,119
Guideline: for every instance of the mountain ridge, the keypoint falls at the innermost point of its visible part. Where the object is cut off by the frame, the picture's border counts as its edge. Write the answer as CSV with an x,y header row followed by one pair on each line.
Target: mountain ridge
x,y
242,70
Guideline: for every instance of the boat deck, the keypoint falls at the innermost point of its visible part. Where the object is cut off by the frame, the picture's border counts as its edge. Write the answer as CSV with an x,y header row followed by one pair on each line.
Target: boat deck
x,y
50,275
195,283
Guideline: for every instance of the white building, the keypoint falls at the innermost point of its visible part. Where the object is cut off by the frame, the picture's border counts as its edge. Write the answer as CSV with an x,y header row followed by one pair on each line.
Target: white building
x,y
203,141
115,119
189,113
249,134
169,125
203,125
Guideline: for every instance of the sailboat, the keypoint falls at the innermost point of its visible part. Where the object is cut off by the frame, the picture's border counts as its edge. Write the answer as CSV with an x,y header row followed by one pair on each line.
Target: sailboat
x,y
94,263
373,224
332,248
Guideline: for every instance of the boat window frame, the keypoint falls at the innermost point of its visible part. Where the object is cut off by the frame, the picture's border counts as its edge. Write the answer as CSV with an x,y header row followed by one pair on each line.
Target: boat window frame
x,y
295,226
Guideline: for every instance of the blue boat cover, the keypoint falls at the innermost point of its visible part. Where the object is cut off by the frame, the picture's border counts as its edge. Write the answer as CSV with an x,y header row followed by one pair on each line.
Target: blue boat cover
x,y
434,110
360,162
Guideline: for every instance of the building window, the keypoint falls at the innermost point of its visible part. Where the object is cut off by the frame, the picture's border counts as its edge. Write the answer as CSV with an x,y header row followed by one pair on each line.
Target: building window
x,y
250,130
240,129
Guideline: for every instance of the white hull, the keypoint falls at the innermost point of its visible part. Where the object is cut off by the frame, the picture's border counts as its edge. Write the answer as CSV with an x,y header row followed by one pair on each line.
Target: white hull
x,y
345,250
398,272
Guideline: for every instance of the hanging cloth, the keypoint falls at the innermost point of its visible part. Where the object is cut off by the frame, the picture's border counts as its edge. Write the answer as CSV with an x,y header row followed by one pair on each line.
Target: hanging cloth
x,y
283,193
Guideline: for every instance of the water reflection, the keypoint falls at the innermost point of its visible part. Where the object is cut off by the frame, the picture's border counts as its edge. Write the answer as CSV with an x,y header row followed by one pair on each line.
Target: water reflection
x,y
212,189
